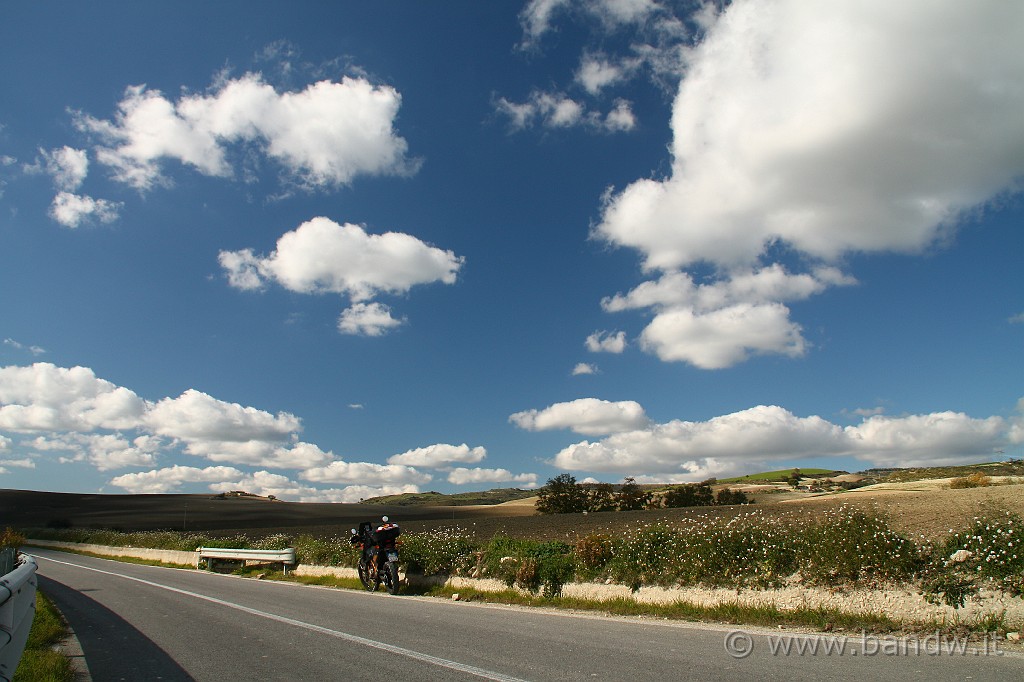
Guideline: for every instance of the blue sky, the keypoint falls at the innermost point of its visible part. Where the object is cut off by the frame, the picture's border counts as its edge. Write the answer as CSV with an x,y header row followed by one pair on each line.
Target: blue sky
x,y
331,250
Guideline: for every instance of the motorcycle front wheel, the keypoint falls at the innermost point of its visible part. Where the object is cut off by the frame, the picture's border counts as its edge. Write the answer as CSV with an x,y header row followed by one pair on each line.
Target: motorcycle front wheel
x,y
368,576
392,577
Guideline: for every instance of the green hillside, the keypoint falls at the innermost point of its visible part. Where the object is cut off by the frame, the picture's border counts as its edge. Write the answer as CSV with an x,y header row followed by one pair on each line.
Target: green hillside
x,y
779,476
435,499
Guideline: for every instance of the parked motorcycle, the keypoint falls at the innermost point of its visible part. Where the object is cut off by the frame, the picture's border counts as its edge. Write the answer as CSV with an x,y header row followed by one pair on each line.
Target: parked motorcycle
x,y
378,562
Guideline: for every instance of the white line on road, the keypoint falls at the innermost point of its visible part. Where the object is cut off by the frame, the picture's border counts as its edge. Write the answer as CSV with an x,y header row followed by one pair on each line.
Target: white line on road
x,y
391,648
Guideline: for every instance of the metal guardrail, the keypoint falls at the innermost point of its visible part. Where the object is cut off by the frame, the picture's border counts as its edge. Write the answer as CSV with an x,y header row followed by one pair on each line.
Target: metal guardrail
x,y
17,610
285,557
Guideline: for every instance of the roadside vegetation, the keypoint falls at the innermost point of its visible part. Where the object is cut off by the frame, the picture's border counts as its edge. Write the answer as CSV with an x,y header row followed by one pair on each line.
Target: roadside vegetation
x,y
841,548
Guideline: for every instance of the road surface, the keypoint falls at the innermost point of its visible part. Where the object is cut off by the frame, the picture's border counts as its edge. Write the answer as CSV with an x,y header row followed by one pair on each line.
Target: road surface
x,y
148,623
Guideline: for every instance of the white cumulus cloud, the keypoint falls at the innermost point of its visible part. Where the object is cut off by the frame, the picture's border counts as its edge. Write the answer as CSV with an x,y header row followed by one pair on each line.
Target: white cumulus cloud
x,y
171,478
71,210
72,408
44,397
765,434
606,342
825,127
463,476
440,455
367,319
322,256
589,416
322,136
366,473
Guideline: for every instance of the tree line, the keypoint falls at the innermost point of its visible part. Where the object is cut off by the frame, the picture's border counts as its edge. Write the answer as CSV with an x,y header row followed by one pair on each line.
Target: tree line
x,y
563,495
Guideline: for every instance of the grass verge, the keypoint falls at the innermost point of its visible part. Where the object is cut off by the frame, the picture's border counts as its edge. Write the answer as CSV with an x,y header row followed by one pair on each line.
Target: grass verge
x,y
40,662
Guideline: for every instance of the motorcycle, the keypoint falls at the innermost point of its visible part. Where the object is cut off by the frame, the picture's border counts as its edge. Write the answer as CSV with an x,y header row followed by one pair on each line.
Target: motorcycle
x,y
378,562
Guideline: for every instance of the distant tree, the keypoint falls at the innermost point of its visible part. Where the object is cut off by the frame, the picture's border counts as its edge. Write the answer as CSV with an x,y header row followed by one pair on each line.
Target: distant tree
x,y
631,497
730,496
794,478
562,495
690,495
601,497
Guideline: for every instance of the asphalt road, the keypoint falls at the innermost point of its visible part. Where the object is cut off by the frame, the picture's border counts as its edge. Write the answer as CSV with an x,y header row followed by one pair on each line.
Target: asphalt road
x,y
147,623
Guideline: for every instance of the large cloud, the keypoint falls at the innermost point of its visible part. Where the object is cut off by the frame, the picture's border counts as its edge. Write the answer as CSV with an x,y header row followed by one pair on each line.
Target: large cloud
x,y
463,476
589,416
366,473
324,135
321,256
71,411
71,407
171,478
44,397
196,416
266,483
104,451
765,434
829,127
439,455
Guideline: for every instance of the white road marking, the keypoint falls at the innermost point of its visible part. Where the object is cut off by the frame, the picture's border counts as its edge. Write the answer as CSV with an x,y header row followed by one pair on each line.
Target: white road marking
x,y
390,648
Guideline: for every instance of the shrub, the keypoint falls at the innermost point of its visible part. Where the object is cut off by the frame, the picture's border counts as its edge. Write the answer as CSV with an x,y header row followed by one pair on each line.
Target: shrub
x,y
690,495
631,496
593,552
849,546
975,480
11,538
562,495
529,564
730,496
601,497
333,551
446,550
988,554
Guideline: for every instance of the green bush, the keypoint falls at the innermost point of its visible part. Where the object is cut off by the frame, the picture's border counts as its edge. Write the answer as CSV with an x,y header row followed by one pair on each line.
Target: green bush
x,y
446,550
529,564
335,551
849,546
11,538
989,554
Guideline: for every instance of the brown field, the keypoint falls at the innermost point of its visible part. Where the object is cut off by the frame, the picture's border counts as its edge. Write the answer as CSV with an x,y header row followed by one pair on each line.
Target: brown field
x,y
919,508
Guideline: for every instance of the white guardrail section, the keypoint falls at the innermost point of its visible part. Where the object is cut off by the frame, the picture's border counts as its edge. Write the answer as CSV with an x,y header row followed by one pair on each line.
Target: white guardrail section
x,y
17,609
285,557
